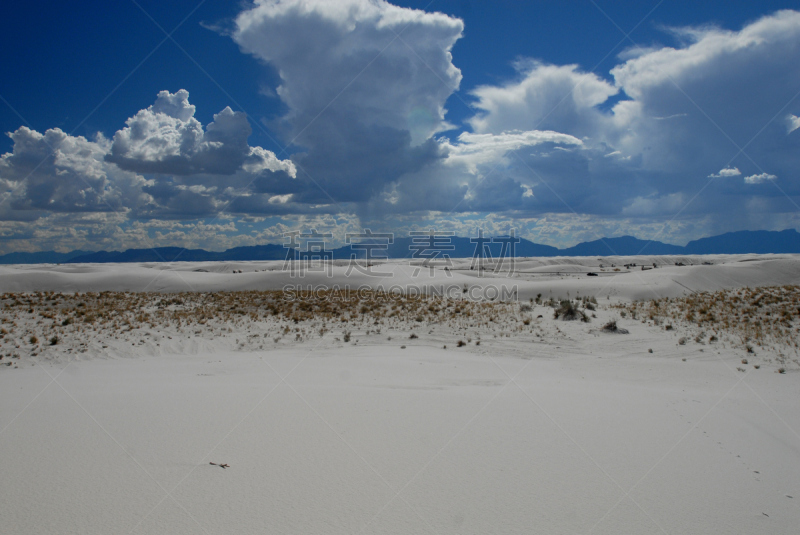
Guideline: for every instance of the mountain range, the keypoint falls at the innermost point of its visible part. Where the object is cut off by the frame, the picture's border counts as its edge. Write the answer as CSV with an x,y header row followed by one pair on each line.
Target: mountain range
x,y
742,242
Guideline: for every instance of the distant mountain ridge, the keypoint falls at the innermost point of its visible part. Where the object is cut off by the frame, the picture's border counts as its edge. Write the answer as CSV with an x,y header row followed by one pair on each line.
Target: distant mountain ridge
x,y
43,257
747,241
742,242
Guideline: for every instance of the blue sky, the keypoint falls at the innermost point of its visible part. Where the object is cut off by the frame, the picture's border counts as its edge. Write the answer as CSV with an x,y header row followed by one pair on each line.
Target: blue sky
x,y
567,121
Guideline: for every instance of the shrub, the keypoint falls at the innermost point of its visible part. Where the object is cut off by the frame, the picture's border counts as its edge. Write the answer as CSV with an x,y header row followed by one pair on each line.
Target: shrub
x,y
566,311
611,327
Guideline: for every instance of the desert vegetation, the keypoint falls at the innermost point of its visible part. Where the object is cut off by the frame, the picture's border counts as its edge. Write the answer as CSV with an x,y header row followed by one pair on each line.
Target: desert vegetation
x,y
763,323
753,319
47,322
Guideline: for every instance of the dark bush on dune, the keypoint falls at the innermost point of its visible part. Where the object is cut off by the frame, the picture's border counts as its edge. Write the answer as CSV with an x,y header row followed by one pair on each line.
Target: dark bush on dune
x,y
611,327
567,311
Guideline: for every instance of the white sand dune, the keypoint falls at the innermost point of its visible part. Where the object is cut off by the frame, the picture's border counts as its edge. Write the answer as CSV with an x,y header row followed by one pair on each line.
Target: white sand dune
x,y
548,276
547,427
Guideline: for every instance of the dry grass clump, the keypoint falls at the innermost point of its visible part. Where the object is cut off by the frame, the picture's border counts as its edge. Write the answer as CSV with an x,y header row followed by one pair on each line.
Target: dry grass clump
x,y
127,308
765,317
82,321
569,311
612,327
589,302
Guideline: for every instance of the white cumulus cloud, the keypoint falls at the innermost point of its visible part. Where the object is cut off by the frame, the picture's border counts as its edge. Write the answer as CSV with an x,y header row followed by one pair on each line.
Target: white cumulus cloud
x,y
56,172
792,123
476,149
727,172
670,110
163,164
166,139
758,179
365,83
545,97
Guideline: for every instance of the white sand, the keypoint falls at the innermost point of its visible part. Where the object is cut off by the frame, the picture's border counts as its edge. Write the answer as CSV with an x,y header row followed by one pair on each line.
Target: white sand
x,y
548,276
577,431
